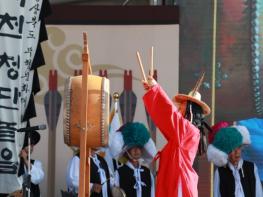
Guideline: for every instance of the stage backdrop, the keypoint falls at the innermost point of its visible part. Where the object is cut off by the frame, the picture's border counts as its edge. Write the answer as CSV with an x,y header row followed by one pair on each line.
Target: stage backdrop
x,y
112,48
238,69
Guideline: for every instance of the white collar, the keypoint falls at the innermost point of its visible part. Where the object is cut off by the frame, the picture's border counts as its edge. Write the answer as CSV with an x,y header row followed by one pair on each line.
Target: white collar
x,y
239,165
130,165
94,156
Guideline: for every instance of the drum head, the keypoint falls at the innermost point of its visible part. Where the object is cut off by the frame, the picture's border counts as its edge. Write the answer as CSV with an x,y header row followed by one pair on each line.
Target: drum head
x,y
117,192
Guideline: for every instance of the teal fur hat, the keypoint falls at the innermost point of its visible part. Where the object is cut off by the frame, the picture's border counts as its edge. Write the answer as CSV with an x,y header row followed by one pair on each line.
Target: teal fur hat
x,y
134,134
226,140
130,135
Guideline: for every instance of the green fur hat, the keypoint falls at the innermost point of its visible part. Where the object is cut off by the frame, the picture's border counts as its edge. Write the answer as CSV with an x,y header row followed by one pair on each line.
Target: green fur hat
x,y
130,135
226,140
134,134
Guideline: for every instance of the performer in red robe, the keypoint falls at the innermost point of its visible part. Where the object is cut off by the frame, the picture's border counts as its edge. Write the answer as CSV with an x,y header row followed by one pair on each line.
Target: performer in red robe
x,y
181,127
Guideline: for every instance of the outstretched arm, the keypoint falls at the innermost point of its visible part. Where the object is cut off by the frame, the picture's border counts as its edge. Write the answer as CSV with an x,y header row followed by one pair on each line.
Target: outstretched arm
x,y
162,110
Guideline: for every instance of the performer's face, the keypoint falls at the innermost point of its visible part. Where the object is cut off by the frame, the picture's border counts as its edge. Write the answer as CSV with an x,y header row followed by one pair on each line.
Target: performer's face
x,y
29,148
235,156
194,113
93,151
135,152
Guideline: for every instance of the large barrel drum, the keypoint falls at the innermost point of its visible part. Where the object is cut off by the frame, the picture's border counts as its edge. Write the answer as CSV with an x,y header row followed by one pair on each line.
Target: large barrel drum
x,y
98,111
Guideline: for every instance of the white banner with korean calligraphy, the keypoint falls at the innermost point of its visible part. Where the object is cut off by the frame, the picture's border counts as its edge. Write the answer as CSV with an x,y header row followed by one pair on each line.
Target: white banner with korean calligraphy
x,y
19,34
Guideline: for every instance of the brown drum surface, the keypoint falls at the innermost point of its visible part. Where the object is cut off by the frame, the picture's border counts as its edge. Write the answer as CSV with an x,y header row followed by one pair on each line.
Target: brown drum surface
x,y
98,111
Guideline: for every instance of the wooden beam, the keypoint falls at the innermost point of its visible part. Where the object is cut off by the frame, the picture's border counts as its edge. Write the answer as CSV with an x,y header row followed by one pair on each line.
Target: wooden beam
x,y
113,15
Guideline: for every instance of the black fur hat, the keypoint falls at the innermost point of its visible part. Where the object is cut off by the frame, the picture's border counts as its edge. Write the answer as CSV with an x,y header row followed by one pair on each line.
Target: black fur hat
x,y
35,137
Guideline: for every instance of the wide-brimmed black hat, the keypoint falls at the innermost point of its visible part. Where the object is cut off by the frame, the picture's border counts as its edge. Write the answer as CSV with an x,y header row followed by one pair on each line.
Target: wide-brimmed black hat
x,y
35,137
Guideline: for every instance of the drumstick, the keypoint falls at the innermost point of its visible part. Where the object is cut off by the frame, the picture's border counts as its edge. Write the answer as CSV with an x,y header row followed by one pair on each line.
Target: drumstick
x,y
151,69
140,62
85,41
85,54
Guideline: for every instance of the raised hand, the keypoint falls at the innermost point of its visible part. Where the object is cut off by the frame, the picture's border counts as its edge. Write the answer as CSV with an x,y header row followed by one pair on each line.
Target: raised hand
x,y
97,188
149,83
23,155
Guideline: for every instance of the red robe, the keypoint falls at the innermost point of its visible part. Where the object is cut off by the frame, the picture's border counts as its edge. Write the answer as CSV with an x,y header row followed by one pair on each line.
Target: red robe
x,y
177,156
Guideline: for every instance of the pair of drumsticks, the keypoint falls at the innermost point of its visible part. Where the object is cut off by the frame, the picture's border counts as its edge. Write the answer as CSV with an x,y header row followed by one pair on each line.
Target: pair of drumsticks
x,y
141,65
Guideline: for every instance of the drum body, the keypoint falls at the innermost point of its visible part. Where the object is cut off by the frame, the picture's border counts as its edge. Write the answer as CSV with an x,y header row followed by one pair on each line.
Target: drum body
x,y
98,111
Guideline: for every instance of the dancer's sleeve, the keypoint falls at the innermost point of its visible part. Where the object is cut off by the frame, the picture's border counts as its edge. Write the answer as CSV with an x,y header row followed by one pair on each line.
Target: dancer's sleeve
x,y
165,114
259,191
216,184
73,173
37,173
116,179
152,186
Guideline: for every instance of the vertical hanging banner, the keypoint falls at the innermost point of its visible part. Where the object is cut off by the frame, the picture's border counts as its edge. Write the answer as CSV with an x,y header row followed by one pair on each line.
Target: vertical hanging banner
x,y
20,25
